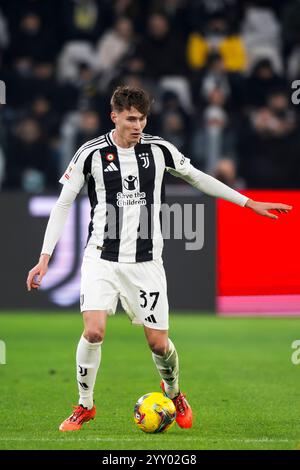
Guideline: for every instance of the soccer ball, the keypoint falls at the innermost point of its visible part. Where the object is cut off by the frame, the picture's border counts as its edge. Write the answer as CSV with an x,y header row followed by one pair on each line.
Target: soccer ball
x,y
154,412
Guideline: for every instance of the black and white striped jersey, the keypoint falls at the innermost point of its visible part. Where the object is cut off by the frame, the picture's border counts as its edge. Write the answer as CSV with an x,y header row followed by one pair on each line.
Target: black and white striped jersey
x,y
125,191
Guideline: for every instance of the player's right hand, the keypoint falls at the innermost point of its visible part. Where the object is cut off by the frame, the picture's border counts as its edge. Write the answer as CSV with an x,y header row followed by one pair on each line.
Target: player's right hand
x,y
37,273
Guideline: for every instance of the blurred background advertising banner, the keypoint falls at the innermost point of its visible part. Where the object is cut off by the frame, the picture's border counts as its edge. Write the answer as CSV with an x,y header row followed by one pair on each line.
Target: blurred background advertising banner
x,y
258,258
189,254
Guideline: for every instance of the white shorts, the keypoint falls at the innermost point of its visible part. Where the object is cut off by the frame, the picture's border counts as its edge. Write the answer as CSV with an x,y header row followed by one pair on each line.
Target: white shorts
x,y
141,287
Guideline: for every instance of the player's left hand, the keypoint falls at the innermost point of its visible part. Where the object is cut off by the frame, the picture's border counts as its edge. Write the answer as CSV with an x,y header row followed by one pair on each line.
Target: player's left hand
x,y
262,208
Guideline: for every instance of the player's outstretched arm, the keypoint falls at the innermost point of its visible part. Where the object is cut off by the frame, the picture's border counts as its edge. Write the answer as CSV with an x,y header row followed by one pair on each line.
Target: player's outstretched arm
x,y
211,186
262,208
54,229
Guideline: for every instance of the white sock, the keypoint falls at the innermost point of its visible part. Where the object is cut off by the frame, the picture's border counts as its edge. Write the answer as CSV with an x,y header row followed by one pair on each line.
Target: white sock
x,y
88,357
168,369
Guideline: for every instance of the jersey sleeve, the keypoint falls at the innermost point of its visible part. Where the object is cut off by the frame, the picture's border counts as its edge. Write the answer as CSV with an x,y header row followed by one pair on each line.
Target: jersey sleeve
x,y
74,176
57,219
176,163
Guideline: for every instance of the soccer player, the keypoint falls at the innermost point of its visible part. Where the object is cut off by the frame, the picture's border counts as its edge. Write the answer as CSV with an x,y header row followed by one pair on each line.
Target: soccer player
x,y
124,171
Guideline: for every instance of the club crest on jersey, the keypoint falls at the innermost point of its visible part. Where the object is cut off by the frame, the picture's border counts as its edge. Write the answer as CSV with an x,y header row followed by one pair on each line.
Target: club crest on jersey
x,y
130,183
145,159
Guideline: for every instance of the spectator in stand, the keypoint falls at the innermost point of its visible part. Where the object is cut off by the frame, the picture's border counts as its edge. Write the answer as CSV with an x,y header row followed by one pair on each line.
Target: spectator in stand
x,y
30,165
269,145
42,111
34,39
28,78
83,20
77,128
84,91
135,11
47,10
89,127
176,12
173,130
214,76
161,49
20,87
215,136
199,12
44,77
261,82
113,47
262,36
217,37
86,85
174,122
226,172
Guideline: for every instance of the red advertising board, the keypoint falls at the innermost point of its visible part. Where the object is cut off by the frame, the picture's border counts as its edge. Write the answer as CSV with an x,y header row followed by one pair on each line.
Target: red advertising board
x,y
258,256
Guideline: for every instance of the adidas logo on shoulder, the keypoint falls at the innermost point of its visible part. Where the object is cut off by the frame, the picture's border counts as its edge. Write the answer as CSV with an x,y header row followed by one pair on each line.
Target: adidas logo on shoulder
x,y
111,167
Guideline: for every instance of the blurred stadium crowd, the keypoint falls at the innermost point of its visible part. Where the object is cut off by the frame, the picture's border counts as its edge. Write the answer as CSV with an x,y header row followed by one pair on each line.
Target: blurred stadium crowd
x,y
220,73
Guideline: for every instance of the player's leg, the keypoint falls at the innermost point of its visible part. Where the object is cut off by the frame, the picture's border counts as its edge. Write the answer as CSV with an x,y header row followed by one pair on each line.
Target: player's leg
x,y
166,360
88,355
99,297
144,298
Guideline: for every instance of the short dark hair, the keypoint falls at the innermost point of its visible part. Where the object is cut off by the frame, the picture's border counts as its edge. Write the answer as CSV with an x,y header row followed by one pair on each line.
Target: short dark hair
x,y
125,97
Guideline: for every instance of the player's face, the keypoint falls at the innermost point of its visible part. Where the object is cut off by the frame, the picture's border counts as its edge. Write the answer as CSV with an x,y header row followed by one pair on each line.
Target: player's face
x,y
129,126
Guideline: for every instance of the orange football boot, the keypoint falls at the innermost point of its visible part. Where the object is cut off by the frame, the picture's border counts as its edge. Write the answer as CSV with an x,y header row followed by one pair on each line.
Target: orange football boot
x,y
79,416
184,414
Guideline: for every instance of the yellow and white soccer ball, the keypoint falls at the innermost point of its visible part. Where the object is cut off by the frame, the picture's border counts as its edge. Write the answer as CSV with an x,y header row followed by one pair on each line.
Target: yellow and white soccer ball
x,y
154,412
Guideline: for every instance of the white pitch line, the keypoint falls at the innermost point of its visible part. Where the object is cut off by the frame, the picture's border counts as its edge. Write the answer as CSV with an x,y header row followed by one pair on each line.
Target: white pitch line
x,y
126,439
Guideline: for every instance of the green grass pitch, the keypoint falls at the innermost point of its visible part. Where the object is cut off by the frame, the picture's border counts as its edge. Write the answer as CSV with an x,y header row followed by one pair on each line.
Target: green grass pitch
x,y
237,373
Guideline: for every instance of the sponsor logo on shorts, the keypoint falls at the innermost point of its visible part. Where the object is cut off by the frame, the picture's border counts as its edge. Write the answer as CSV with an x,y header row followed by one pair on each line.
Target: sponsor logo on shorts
x,y
151,319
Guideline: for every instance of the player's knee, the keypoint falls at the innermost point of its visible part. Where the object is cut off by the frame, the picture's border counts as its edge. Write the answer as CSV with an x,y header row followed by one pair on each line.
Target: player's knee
x,y
94,335
159,348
